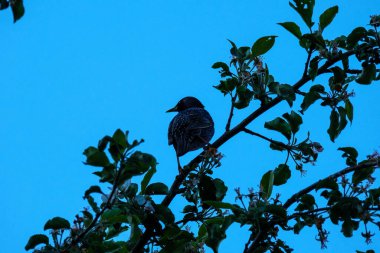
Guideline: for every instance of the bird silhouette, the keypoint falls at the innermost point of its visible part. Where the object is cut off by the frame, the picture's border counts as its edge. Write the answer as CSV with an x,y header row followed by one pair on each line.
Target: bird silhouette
x,y
191,129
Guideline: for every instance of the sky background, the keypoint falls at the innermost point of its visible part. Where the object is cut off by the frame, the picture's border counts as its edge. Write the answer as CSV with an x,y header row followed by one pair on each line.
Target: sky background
x,y
74,71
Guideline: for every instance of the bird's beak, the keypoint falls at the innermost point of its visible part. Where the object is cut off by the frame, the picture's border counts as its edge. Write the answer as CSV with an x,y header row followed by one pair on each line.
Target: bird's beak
x,y
174,109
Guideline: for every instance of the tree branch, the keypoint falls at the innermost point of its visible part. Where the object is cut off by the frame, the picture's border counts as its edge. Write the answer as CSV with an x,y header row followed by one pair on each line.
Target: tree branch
x,y
227,136
279,143
311,187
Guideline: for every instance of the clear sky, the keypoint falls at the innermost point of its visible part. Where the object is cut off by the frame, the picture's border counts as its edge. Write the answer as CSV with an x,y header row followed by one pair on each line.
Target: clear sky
x,y
74,71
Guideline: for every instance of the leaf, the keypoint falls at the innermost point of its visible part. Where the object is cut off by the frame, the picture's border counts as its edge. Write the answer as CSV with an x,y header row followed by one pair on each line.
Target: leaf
x,y
293,28
262,45
221,65
18,9
157,189
222,205
92,189
355,36
233,49
327,17
367,75
294,120
216,231
362,174
281,174
286,91
266,184
309,99
221,189
276,210
307,202
279,125
57,223
228,85
164,214
35,240
327,184
342,119
305,10
351,154
115,215
349,110
334,124
313,68
348,227
137,164
148,176
95,157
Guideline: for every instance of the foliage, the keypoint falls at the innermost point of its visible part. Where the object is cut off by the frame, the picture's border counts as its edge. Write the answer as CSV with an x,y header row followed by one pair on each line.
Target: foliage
x,y
17,7
132,217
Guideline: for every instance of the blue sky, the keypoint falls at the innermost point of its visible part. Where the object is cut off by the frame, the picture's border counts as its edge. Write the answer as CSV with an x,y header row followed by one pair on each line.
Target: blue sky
x,y
74,71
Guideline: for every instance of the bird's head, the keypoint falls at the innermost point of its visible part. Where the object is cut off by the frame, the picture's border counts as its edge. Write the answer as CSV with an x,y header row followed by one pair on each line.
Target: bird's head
x,y
186,103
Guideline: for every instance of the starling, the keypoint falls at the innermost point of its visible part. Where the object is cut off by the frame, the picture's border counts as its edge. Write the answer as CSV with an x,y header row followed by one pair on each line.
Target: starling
x,y
192,128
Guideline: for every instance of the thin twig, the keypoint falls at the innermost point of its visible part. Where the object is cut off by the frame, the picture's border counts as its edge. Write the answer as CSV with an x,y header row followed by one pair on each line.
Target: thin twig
x,y
230,134
233,99
266,138
340,173
309,53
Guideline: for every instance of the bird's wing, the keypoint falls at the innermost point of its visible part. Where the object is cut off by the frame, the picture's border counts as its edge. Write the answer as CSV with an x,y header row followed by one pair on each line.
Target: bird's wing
x,y
199,119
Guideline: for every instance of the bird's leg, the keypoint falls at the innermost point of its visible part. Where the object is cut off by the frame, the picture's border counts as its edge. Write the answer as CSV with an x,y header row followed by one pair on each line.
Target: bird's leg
x,y
179,165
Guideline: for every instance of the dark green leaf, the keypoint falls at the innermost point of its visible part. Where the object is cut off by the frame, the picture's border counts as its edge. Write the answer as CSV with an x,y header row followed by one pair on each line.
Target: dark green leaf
x,y
368,74
351,154
305,10
266,184
339,75
92,189
207,189
164,214
157,189
95,157
222,205
281,174
349,110
18,9
137,164
4,4
334,125
57,223
307,202
362,174
286,91
233,49
355,36
309,99
348,227
216,231
244,97
313,68
293,28
262,45
221,65
221,189
342,118
327,17
93,204
276,210
228,85
148,176
294,120
35,240
114,215
327,184
279,125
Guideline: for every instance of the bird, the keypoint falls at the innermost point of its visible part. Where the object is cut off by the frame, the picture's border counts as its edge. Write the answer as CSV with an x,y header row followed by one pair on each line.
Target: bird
x,y
191,129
